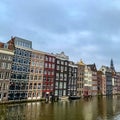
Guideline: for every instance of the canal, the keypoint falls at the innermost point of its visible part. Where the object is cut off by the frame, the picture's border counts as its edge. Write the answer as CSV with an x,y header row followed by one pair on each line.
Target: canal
x,y
97,108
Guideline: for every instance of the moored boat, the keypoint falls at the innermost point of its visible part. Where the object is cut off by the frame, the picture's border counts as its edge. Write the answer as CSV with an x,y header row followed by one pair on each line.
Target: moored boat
x,y
74,97
64,98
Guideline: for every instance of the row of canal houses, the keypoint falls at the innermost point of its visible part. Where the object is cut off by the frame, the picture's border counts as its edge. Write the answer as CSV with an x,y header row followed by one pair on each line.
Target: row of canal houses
x,y
30,74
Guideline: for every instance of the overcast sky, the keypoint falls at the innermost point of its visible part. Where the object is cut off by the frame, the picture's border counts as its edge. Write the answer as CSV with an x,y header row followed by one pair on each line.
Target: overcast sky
x,y
83,29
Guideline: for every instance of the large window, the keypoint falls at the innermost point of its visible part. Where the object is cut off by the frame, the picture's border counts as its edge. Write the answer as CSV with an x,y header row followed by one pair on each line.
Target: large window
x,y
39,85
56,85
32,70
40,78
31,77
62,62
2,75
35,77
41,57
46,58
61,85
61,76
3,65
30,86
66,63
57,76
45,72
65,68
56,92
64,92
9,58
58,62
62,68
53,59
53,66
58,67
7,75
60,92
49,65
64,85
35,85
50,59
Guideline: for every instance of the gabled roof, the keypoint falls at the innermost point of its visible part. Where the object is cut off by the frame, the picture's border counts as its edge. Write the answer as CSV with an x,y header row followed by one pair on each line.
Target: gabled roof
x,y
92,67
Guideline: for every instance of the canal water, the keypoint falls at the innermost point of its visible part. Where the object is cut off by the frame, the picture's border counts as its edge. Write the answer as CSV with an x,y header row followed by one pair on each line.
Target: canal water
x,y
97,108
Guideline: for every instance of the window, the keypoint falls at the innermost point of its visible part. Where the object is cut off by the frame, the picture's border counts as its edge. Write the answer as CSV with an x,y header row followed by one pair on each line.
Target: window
x,y
36,70
40,78
64,85
31,77
4,86
18,76
4,95
52,73
53,66
56,85
53,59
61,76
32,70
37,94
62,68
48,72
35,77
57,76
41,64
33,63
66,63
56,92
65,68
40,71
58,67
23,76
60,86
30,86
58,62
4,57
60,92
35,86
46,58
41,57
33,55
39,85
3,65
1,75
7,75
62,62
45,72
50,59
9,58
49,65
9,66
65,77
37,56
29,94
46,65
64,92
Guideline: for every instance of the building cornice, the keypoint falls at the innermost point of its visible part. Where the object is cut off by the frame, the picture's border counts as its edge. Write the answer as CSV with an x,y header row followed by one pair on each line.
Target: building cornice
x,y
5,51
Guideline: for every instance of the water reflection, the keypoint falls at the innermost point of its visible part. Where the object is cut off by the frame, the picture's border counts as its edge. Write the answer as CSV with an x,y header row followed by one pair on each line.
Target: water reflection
x,y
97,108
